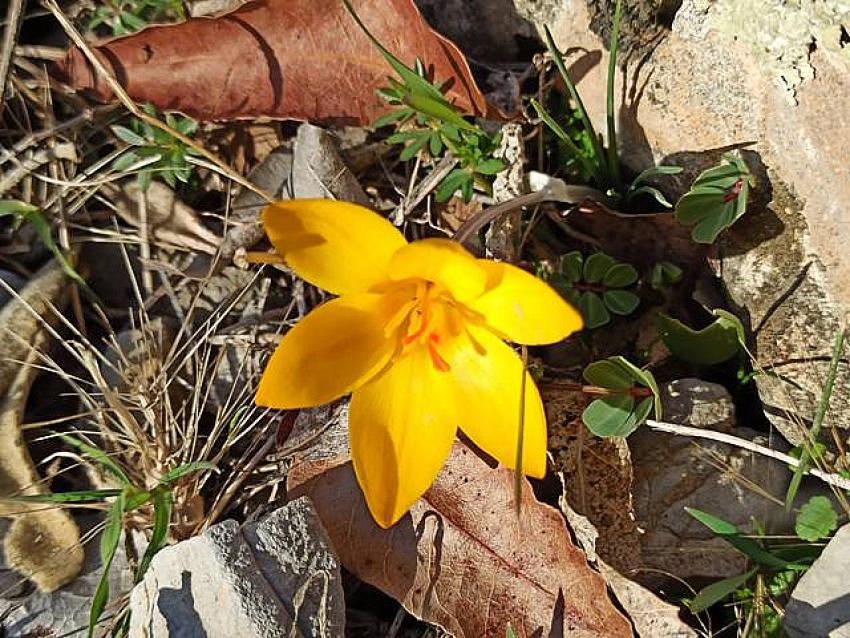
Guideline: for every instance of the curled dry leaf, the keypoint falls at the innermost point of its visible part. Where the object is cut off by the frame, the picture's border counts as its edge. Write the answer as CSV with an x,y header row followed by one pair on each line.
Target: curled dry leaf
x,y
288,59
43,541
461,559
169,220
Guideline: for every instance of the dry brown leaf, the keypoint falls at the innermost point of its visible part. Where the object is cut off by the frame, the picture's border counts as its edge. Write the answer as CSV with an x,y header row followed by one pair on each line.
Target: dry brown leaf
x,y
461,559
169,220
289,59
43,541
597,477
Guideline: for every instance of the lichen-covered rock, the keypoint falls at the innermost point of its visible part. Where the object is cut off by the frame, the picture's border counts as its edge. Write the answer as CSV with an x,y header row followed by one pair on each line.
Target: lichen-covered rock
x,y
275,578
710,84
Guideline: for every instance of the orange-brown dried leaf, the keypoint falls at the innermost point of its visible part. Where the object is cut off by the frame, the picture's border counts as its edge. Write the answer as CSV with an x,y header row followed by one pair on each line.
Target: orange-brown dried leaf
x,y
461,558
286,59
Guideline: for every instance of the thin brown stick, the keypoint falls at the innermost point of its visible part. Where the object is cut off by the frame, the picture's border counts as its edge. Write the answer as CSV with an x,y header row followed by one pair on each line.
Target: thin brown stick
x,y
14,13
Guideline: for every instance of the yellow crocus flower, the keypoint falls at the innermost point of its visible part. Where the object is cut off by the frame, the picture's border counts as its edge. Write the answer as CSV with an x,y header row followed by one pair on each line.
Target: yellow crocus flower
x,y
416,336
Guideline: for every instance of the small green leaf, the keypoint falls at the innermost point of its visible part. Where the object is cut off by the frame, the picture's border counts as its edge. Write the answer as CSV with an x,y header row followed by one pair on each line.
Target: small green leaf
x,y
81,496
185,470
656,194
593,310
414,147
612,415
664,274
571,266
97,455
108,545
509,632
712,345
490,166
620,302
15,207
128,136
816,519
125,161
608,374
435,144
162,505
653,171
717,591
596,266
620,276
716,199
748,546
392,116
452,183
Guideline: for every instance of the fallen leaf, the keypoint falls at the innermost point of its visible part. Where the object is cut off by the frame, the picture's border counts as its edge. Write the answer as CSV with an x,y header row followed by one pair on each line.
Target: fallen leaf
x,y
169,219
289,59
650,615
461,558
43,541
596,474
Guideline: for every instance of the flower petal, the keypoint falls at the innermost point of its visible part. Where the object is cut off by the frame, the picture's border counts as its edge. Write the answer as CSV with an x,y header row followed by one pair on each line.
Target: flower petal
x,y
444,262
401,428
338,246
331,351
524,309
488,379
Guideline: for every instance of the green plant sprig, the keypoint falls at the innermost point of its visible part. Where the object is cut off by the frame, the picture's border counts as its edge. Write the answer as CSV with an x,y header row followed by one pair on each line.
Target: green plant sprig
x,y
123,17
155,153
633,395
599,164
425,121
596,286
126,499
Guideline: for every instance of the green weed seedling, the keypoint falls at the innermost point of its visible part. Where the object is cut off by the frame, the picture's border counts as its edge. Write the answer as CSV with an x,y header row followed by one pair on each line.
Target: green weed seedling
x,y
425,121
631,395
717,199
596,286
776,566
22,212
719,341
125,499
585,149
123,17
153,152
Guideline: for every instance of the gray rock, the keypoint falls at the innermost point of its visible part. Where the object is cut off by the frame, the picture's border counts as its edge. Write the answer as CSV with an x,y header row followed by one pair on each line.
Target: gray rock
x,y
64,612
820,604
698,403
275,577
674,472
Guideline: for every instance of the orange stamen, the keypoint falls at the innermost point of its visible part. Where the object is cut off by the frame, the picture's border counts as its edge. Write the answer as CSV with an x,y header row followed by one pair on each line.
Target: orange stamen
x,y
439,363
424,319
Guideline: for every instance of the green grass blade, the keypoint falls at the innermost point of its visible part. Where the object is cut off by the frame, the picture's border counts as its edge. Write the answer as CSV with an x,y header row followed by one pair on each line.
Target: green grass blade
x,y
598,151
161,518
97,455
717,591
610,116
185,469
732,535
108,545
413,80
81,496
820,414
589,166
